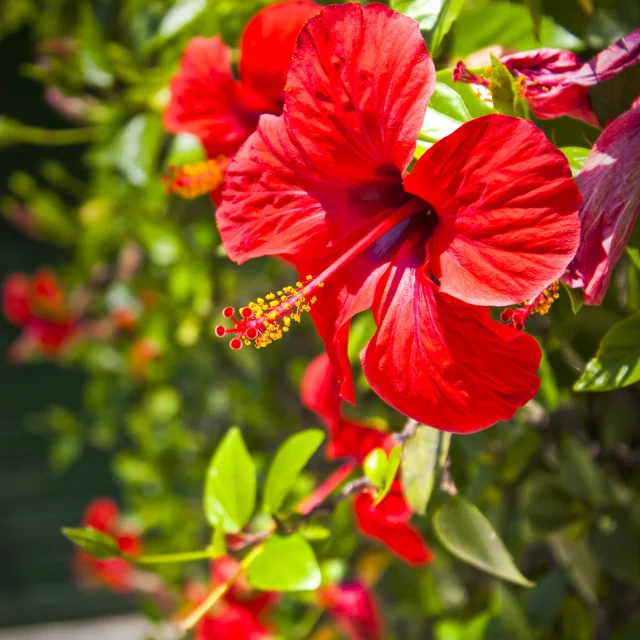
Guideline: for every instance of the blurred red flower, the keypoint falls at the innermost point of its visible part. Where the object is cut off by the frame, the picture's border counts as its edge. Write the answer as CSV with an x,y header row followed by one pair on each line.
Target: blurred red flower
x,y
206,99
487,216
103,515
38,305
240,614
610,185
354,609
387,522
556,82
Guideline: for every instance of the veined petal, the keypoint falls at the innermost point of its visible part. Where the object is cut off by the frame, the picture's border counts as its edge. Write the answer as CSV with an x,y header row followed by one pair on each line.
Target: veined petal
x,y
357,92
609,183
507,210
267,44
441,361
209,103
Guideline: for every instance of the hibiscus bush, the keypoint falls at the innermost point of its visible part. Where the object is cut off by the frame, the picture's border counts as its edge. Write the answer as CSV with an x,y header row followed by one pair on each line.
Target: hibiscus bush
x,y
425,210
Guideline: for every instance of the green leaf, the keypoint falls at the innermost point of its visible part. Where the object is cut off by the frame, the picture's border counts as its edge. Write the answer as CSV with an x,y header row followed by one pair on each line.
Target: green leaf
x,y
287,464
435,17
393,464
92,50
286,563
230,484
508,25
549,391
420,457
634,255
576,157
506,96
575,297
96,543
179,16
375,467
578,558
617,362
535,11
468,535
451,105
578,473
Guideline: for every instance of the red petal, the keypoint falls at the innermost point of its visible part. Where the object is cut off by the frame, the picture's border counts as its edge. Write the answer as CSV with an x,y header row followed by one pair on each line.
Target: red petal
x,y
101,514
304,183
207,102
15,299
441,361
353,440
400,538
354,609
611,201
319,389
507,210
267,45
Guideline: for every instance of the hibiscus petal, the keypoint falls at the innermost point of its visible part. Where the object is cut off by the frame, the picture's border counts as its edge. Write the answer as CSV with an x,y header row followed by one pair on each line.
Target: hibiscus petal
x,y
15,299
304,183
400,538
207,102
354,609
267,44
507,210
441,361
319,389
611,202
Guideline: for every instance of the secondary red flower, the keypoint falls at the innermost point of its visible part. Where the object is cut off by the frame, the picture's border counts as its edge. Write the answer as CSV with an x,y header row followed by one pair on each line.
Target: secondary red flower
x,y
38,305
103,515
239,614
354,609
387,522
556,82
488,216
207,100
609,183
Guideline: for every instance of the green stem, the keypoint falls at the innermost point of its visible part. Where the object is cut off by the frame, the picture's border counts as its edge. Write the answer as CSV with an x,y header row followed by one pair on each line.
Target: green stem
x,y
186,556
191,621
56,137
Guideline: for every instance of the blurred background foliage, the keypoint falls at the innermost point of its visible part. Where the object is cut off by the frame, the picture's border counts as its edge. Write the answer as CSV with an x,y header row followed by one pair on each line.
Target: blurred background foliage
x,y
148,278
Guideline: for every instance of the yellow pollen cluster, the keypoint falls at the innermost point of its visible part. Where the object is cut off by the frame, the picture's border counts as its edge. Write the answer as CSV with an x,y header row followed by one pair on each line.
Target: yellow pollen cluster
x,y
197,179
543,302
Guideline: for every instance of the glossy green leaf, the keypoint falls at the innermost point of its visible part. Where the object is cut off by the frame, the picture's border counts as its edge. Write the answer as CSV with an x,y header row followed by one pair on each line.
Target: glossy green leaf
x,y
617,362
505,93
451,105
468,535
286,563
509,25
96,543
447,16
393,464
180,15
375,467
289,461
230,484
576,157
420,467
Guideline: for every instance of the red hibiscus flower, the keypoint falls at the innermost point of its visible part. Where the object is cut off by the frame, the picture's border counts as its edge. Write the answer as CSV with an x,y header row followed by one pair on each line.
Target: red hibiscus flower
x,y
38,305
556,82
488,216
103,515
208,102
354,609
611,202
387,522
239,614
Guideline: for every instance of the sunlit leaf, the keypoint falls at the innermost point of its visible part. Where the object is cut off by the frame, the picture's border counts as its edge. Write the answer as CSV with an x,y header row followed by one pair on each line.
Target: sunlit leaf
x,y
420,467
286,563
576,157
393,464
287,464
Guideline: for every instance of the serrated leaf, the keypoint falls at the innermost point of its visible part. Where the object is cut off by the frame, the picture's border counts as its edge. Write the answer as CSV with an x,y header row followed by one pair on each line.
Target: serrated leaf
x,y
420,467
230,484
617,362
393,464
286,563
96,543
468,535
287,464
